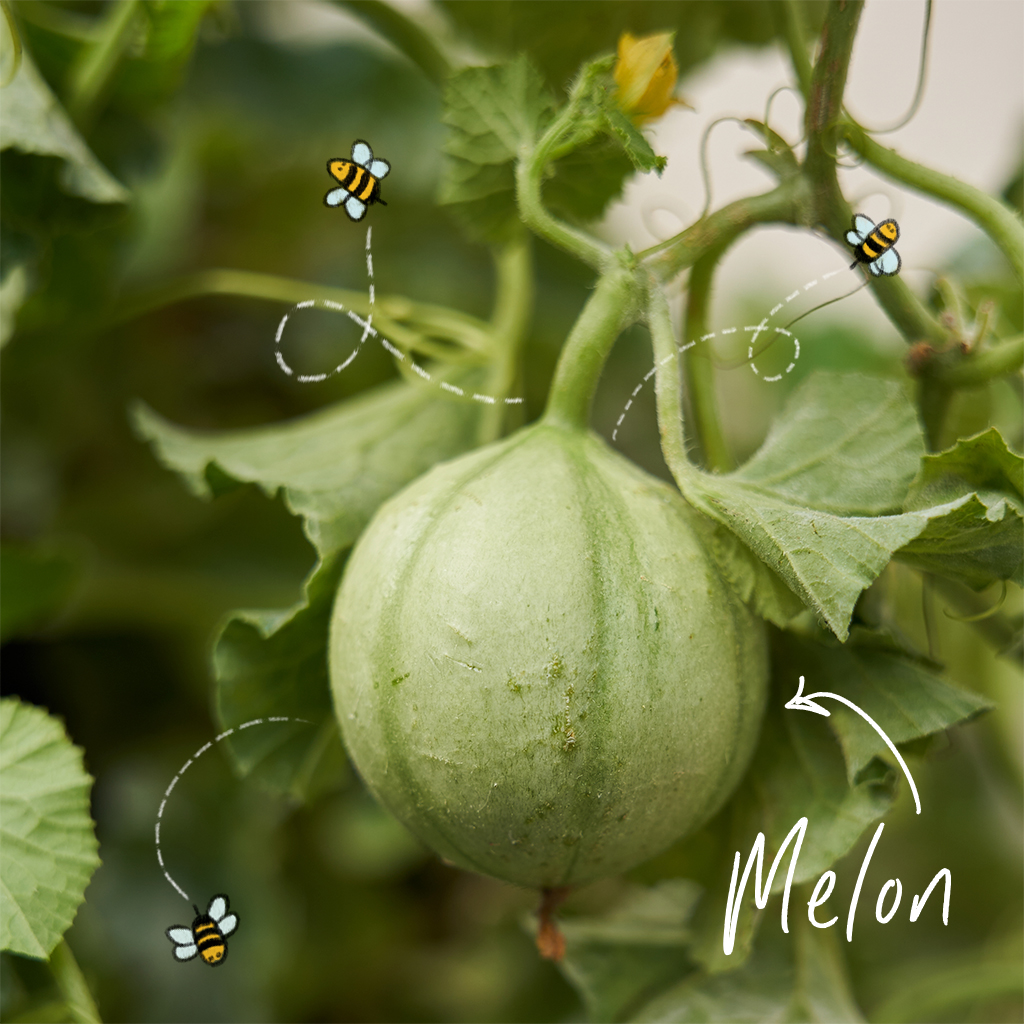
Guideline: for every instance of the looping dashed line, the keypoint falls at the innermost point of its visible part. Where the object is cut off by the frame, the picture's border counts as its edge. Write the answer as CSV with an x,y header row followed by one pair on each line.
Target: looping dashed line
x,y
368,331
181,771
756,329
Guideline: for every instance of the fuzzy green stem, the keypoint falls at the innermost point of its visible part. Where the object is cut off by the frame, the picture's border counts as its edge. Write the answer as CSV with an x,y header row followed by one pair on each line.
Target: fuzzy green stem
x,y
609,310
513,306
98,64
530,168
700,373
68,976
788,14
995,218
404,34
783,205
389,311
666,389
824,112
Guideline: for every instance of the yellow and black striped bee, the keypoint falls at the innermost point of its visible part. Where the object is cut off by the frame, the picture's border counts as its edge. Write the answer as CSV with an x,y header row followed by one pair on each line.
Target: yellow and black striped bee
x,y
873,244
208,935
359,179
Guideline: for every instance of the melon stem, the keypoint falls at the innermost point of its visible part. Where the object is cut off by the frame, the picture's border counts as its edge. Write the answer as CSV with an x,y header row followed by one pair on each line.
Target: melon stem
x,y
550,940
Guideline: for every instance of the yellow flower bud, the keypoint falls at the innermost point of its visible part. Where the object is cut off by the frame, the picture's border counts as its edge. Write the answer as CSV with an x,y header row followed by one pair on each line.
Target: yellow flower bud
x,y
646,74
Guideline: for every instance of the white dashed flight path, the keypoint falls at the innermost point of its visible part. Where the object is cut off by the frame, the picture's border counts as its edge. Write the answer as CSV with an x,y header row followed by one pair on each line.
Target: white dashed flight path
x,y
181,771
368,331
756,329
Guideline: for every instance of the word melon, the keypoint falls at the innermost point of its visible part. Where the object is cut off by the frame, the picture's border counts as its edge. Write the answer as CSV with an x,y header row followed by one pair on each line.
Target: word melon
x,y
537,667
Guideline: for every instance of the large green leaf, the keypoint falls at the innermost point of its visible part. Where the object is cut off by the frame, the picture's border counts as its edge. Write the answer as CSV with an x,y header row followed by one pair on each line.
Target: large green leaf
x,y
35,122
335,466
981,539
807,503
47,844
491,112
849,445
617,961
494,112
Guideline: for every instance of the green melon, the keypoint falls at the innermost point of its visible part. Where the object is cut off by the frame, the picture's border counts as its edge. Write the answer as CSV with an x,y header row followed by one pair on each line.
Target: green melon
x,y
536,665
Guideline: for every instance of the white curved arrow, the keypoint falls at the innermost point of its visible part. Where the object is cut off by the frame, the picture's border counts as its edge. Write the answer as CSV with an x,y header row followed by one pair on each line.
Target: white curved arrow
x,y
802,703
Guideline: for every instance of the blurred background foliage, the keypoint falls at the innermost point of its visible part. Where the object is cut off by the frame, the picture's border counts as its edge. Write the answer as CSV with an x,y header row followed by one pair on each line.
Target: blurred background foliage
x,y
217,121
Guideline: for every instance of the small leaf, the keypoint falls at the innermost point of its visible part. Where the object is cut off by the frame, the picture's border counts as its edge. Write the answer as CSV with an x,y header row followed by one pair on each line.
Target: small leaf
x,y
34,122
47,843
901,694
635,146
616,961
778,157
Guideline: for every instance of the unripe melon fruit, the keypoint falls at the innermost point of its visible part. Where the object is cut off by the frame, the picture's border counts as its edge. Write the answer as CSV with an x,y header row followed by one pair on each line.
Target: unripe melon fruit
x,y
537,667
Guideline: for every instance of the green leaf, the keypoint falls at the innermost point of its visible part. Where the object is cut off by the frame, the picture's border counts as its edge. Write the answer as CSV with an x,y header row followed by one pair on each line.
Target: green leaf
x,y
35,122
335,466
843,449
756,584
844,443
586,180
47,844
798,978
981,538
618,960
900,693
635,146
778,158
492,112
275,663
37,584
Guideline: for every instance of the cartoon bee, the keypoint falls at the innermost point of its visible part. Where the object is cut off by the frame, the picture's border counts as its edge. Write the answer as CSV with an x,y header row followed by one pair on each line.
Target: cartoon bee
x,y
207,936
873,244
359,179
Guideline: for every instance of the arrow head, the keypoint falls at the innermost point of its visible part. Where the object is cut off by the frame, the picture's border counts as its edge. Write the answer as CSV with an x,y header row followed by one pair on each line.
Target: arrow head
x,y
801,703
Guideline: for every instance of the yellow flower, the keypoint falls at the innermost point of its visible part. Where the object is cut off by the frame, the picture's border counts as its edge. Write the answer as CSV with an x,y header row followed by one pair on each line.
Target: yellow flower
x,y
646,74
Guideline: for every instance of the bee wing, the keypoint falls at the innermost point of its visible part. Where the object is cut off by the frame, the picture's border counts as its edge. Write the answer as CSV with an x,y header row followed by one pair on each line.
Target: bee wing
x,y
180,935
852,238
184,953
379,168
362,154
888,264
355,208
228,924
863,225
335,197
218,907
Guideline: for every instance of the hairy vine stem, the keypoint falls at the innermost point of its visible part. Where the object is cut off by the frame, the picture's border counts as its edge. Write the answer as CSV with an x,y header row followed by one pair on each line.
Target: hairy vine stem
x,y
609,311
